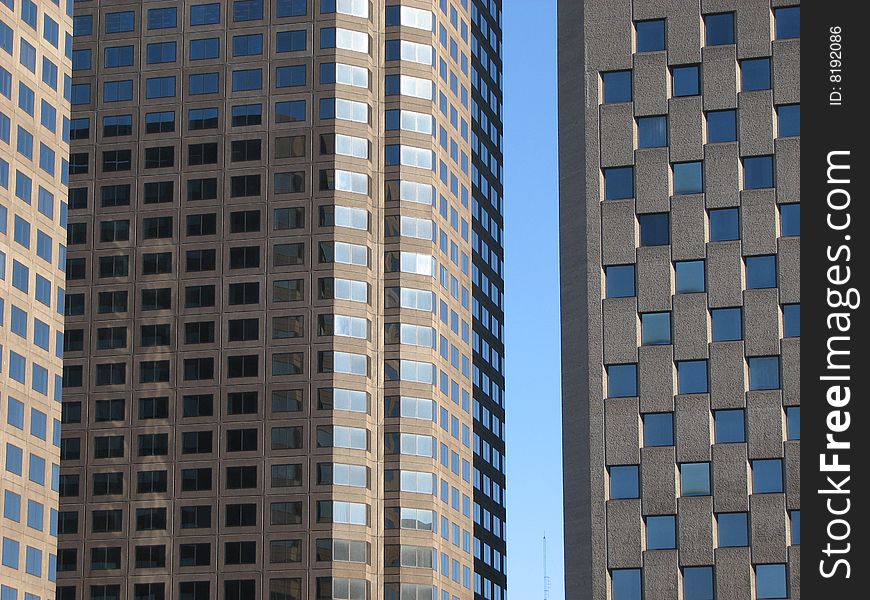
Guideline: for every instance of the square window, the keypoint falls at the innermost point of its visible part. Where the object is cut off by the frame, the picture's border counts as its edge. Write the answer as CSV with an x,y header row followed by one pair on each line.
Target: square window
x,y
788,119
791,320
767,476
661,532
698,583
793,422
625,584
692,377
719,29
622,381
650,35
727,324
686,81
658,429
770,581
655,229
618,183
724,224
795,517
730,426
617,86
721,126
688,178
652,132
624,482
755,74
788,22
690,276
733,529
655,328
760,272
790,219
619,281
764,373
695,479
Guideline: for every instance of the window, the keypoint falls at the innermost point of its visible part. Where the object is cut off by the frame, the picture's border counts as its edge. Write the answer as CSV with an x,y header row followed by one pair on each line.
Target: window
x,y
652,132
733,529
791,320
692,377
118,56
118,91
788,118
252,79
618,183
162,18
760,272
686,81
695,479
163,52
160,87
788,22
291,8
655,229
658,429
291,41
730,426
727,324
767,476
205,14
624,482
764,373
248,45
617,86
795,517
650,35
625,584
770,581
247,10
755,74
688,178
724,224
203,83
661,532
722,126
620,281
204,49
690,276
246,115
719,29
697,583
120,22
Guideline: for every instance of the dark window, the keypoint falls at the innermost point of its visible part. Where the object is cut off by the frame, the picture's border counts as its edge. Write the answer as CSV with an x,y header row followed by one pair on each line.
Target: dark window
x,y
788,120
650,35
198,405
150,557
154,408
199,296
156,228
719,29
655,229
241,477
160,122
724,224
201,332
199,119
203,154
111,338
244,293
246,115
196,517
158,192
154,444
198,369
241,515
199,225
196,480
243,366
721,126
246,221
241,440
156,335
200,260
202,189
242,403
755,74
194,555
245,257
241,330
156,263
242,186
686,80
157,299
117,125
151,482
617,86
196,442
154,371
618,183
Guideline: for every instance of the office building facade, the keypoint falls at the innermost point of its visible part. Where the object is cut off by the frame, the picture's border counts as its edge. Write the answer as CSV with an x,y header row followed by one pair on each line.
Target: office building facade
x,y
269,382
35,42
680,244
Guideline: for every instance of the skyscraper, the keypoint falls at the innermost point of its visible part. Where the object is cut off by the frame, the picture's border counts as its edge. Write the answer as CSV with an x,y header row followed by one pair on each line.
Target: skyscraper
x,y
680,209
35,40
270,388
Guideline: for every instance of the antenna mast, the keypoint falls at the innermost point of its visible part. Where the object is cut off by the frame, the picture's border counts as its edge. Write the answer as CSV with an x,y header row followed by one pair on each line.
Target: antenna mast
x,y
546,578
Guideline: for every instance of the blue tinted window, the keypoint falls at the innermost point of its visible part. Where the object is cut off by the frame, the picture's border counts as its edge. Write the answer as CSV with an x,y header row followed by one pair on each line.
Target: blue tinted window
x,y
686,81
651,35
698,583
619,281
15,408
248,79
692,377
290,76
83,25
327,39
655,328
290,111
118,56
658,429
118,91
49,73
205,14
291,41
760,272
204,83
764,373
27,55
724,224
690,276
655,229
661,533
721,126
626,584
248,45
35,515
36,469
162,18
33,561
695,479
652,132
617,86
730,426
12,506
758,172
622,381
10,553
727,324
793,422
791,320
80,93
733,529
119,22
247,10
790,219
767,476
14,459
688,178
788,22
789,120
81,60
624,482
291,8
160,87
204,49
618,183
770,581
719,29
755,74
795,516
41,333
164,52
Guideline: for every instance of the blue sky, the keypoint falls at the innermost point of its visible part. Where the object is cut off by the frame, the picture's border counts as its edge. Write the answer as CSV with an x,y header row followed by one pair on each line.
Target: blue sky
x,y
534,454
